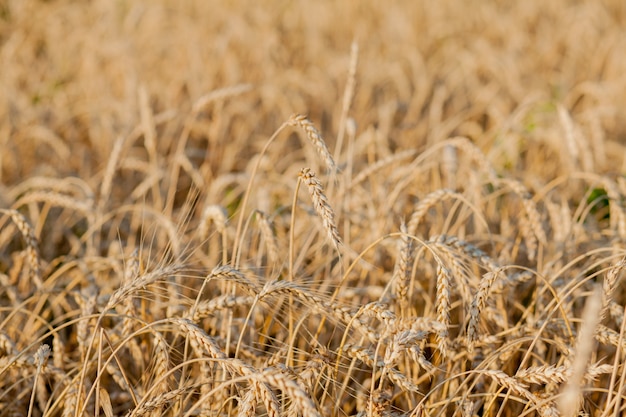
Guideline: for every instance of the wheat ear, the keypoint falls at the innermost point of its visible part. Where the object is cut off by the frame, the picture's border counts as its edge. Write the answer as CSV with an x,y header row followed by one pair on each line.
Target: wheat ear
x,y
402,270
443,305
265,226
41,360
608,286
321,204
212,213
511,384
32,245
426,203
315,137
533,218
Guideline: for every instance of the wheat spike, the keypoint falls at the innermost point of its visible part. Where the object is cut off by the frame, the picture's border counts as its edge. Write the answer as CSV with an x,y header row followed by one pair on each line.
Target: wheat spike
x,y
316,139
321,205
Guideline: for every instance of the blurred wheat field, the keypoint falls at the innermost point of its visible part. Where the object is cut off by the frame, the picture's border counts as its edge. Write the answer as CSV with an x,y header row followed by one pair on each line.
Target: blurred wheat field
x,y
312,208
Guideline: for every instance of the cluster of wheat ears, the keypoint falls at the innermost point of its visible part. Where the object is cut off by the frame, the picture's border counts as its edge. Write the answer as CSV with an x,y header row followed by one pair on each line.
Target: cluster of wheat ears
x,y
316,223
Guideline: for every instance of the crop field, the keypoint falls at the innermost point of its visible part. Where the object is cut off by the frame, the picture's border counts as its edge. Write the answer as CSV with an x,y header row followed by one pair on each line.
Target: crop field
x,y
312,208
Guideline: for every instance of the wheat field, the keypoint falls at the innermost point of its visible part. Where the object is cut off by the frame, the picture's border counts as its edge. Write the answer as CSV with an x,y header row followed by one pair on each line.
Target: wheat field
x,y
312,208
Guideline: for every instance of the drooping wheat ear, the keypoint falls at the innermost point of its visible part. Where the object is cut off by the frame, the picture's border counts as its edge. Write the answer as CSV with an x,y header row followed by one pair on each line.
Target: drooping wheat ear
x,y
468,249
544,374
475,154
608,286
417,355
419,324
367,357
32,245
511,384
426,203
610,337
315,137
204,344
547,374
478,304
58,200
247,404
402,270
212,213
401,342
207,307
303,403
343,315
265,225
532,214
229,273
381,312
147,407
141,282
321,205
448,245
